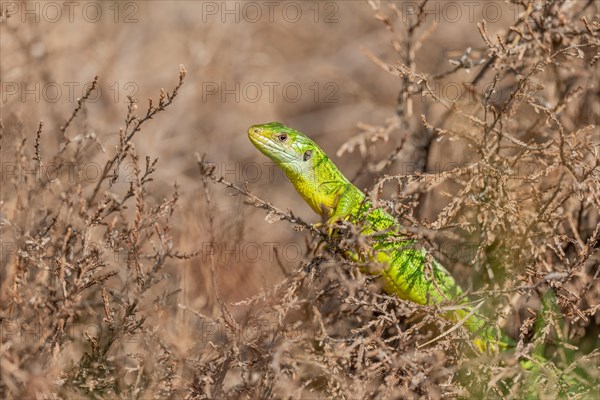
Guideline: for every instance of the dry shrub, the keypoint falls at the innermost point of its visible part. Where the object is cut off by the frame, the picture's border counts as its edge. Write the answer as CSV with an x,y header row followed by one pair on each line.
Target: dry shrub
x,y
92,302
83,264
523,210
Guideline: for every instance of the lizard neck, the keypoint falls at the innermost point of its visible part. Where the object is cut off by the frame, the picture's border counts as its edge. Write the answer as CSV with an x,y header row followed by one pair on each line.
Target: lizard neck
x,y
318,181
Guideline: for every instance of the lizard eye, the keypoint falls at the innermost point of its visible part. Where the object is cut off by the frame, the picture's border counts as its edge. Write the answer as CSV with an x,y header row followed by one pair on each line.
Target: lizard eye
x,y
282,137
307,155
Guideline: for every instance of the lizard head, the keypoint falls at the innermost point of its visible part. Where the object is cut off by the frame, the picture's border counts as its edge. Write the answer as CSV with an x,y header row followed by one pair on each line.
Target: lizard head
x,y
287,147
307,167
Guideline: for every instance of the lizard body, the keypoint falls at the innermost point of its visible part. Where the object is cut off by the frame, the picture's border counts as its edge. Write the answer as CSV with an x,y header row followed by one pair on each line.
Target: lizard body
x,y
407,272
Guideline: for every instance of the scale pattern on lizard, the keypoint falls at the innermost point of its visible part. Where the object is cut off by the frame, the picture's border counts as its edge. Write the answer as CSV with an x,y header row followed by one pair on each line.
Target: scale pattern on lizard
x,y
406,271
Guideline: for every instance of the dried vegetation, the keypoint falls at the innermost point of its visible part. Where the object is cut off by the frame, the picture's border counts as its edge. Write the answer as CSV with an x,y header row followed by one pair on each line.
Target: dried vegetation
x,y
92,301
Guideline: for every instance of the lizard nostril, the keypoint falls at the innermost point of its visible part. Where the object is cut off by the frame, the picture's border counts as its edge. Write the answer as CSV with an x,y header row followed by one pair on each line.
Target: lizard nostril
x,y
255,130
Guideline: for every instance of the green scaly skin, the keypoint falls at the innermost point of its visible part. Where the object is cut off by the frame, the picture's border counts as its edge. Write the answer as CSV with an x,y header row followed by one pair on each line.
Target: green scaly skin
x,y
407,272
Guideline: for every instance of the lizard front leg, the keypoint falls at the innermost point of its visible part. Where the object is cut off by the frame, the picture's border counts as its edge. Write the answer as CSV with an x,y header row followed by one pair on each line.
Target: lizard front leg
x,y
347,204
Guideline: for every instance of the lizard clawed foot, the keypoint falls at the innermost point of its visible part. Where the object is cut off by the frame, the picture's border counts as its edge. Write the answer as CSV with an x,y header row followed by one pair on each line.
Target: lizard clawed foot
x,y
330,224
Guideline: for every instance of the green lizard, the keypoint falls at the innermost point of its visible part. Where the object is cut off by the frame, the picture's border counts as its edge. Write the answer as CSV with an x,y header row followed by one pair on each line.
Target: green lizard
x,y
407,272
